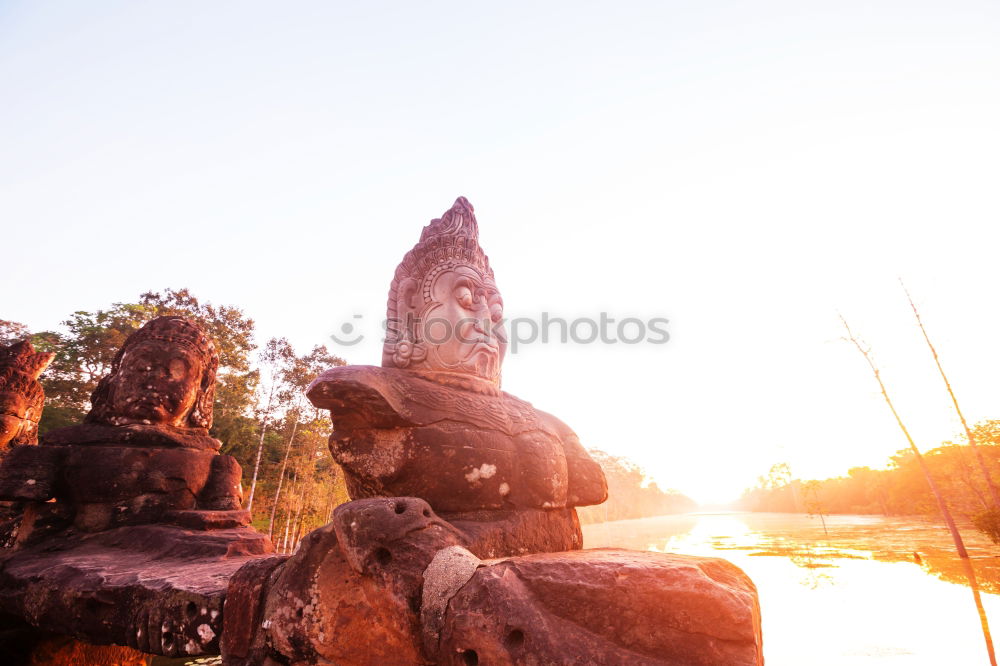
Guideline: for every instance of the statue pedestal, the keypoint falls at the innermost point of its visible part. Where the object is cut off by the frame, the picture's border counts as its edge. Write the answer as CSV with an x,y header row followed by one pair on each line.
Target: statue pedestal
x,y
388,581
156,588
128,536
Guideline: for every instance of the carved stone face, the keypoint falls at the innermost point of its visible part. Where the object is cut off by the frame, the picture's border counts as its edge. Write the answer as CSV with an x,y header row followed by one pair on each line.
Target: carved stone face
x,y
21,396
14,416
19,417
462,328
10,423
155,384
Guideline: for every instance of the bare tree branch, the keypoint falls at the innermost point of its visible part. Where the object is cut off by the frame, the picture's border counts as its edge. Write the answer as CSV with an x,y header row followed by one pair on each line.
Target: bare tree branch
x,y
942,505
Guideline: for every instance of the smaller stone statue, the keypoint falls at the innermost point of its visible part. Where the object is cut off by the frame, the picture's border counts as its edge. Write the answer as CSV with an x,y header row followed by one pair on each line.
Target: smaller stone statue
x,y
144,447
21,401
144,453
21,396
133,520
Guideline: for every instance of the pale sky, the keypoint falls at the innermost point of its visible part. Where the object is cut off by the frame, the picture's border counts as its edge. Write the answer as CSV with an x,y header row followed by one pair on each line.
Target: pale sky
x,y
743,169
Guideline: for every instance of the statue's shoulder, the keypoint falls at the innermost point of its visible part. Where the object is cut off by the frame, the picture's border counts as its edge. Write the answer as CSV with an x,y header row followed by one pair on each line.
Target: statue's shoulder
x,y
360,395
346,378
374,397
555,424
364,396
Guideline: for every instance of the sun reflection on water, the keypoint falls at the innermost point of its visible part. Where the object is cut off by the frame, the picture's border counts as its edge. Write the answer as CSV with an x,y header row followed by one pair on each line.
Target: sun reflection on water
x,y
868,591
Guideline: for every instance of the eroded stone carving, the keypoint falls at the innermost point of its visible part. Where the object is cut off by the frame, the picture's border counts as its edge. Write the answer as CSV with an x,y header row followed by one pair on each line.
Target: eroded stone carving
x,y
350,594
448,472
433,421
144,454
163,375
133,521
21,396
21,401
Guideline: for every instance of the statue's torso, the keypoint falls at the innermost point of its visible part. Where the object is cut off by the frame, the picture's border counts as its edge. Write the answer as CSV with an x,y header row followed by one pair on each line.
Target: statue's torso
x,y
461,449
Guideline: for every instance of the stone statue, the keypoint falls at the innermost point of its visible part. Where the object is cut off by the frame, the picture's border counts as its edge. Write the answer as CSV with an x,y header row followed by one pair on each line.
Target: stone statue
x,y
133,520
21,396
433,422
148,432
448,473
21,401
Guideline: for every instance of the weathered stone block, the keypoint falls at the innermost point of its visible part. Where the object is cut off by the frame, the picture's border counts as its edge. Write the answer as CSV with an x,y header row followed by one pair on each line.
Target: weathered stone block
x,y
208,520
108,474
351,592
160,436
158,589
491,534
223,490
28,473
605,607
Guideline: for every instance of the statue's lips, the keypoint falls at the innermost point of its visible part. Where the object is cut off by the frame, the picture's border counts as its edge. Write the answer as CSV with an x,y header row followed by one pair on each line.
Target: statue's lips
x,y
152,404
484,346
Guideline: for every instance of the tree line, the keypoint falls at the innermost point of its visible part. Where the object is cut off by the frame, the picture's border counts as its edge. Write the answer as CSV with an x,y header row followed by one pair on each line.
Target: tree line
x,y
899,490
261,414
631,494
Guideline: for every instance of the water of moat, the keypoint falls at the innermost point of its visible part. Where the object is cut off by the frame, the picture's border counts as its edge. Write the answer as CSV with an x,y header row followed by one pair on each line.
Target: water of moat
x,y
855,595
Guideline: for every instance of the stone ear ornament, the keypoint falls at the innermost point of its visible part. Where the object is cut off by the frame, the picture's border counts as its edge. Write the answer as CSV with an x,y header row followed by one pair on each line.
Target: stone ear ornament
x,y
201,414
407,351
401,345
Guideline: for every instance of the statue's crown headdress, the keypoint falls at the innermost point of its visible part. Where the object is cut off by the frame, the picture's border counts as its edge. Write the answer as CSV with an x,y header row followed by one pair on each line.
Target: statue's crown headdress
x,y
449,240
459,220
176,330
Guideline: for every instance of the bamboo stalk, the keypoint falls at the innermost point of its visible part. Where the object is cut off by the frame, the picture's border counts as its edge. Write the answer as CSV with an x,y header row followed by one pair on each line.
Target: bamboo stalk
x,y
260,448
281,477
288,513
942,505
297,521
954,401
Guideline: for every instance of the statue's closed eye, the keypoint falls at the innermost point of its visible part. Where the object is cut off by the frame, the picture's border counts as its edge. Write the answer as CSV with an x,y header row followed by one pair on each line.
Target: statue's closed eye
x,y
464,296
